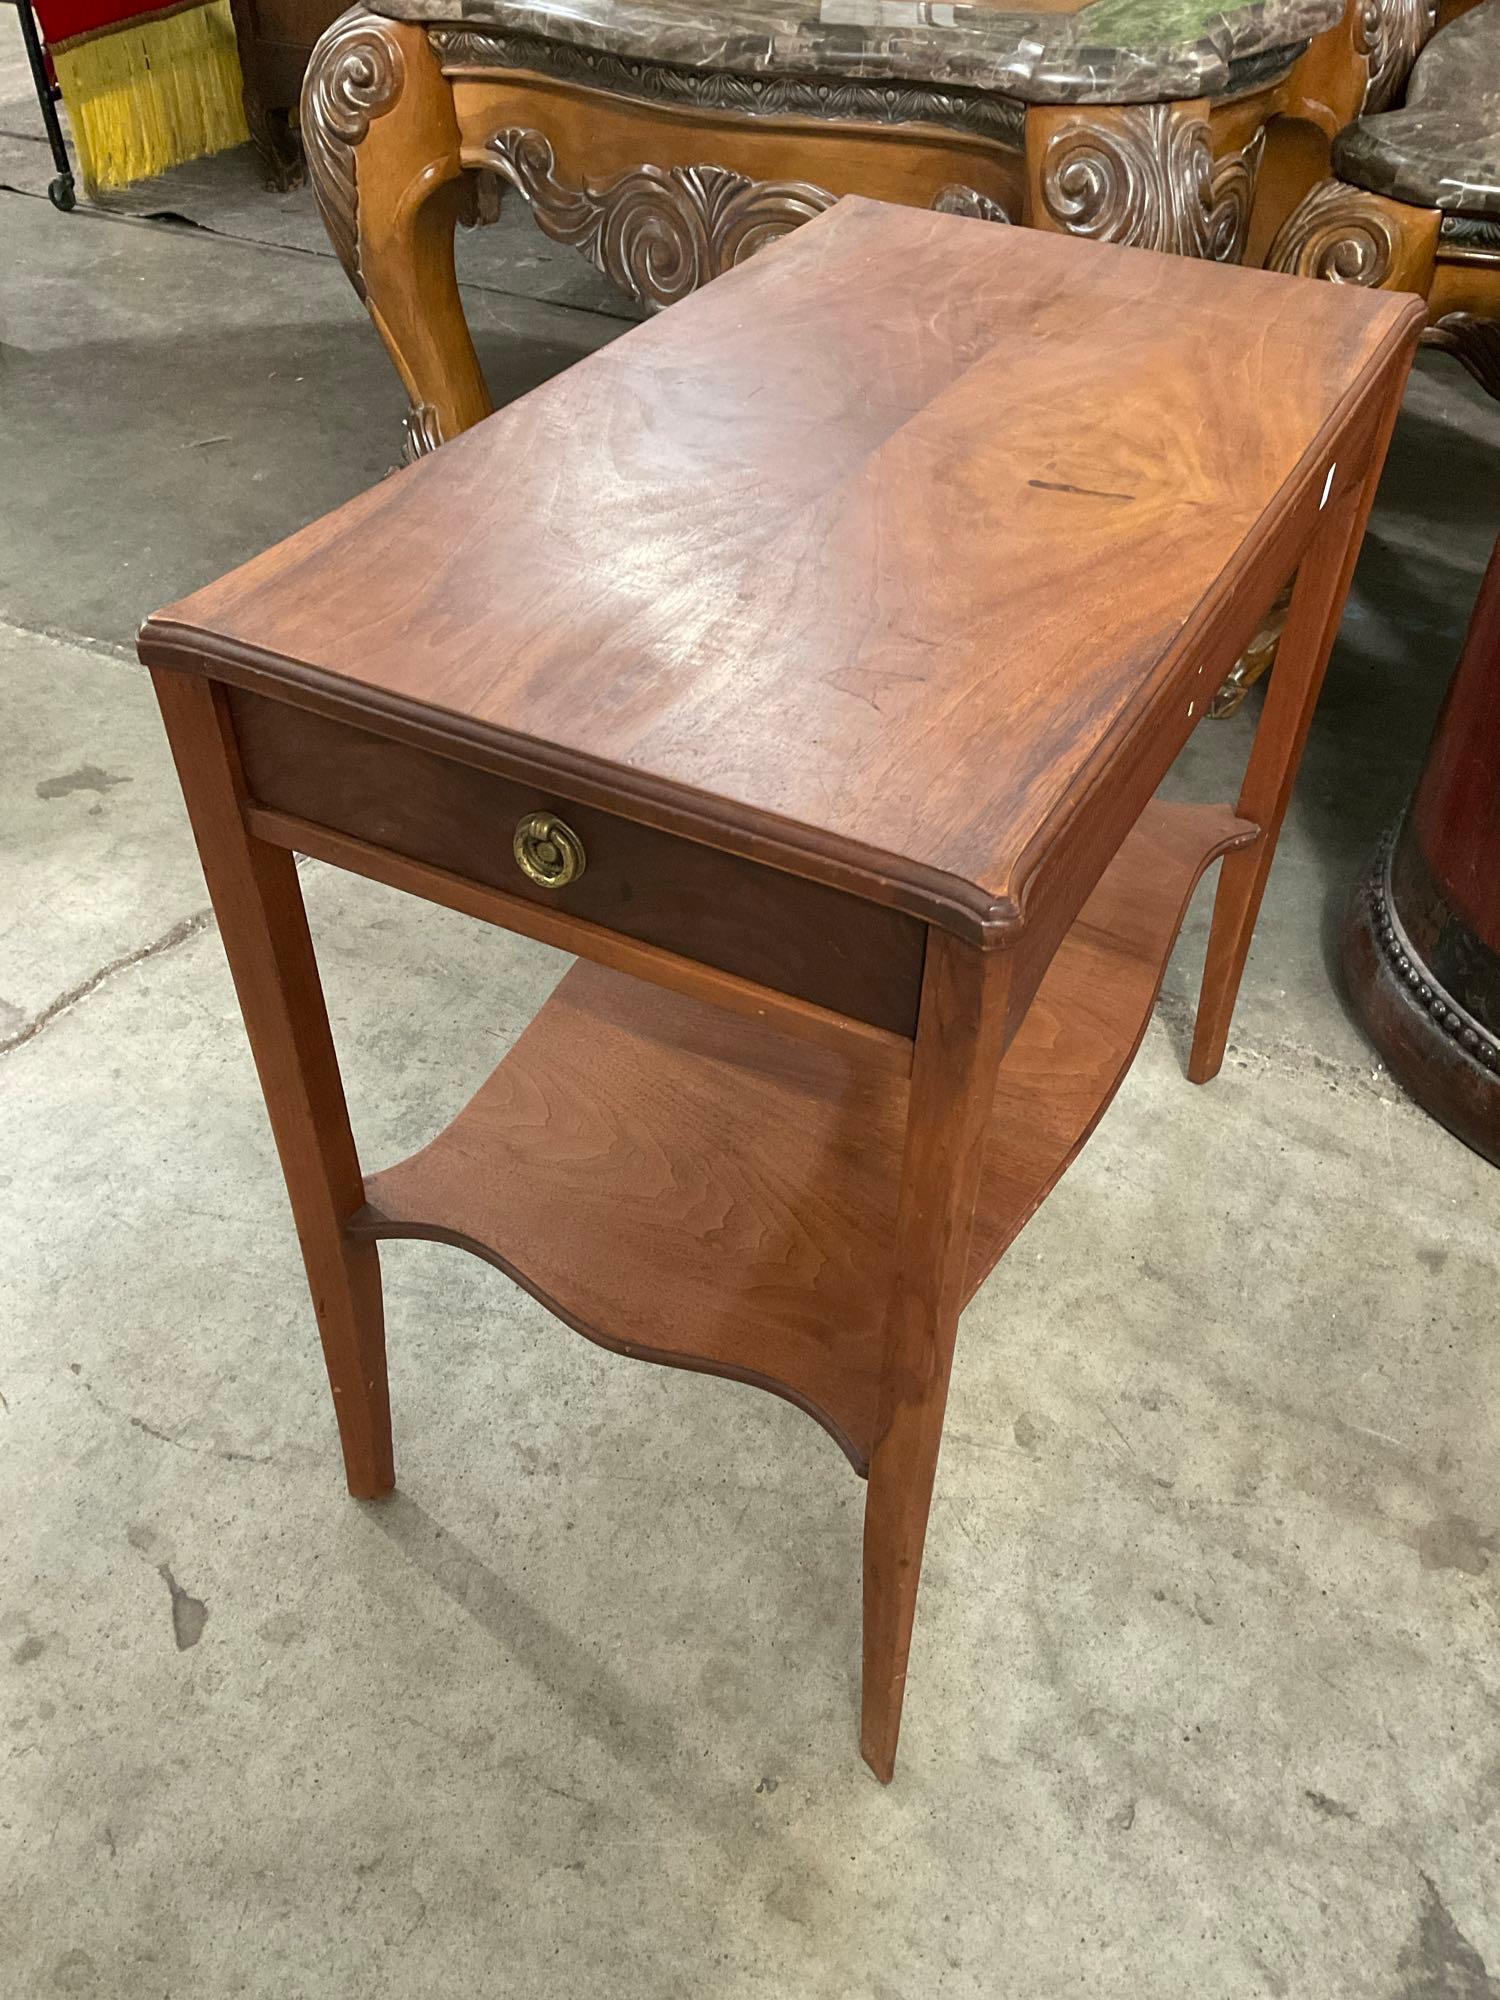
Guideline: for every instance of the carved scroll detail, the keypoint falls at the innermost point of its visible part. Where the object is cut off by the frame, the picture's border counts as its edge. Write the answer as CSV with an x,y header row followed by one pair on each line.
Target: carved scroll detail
x,y
1337,233
356,71
1473,342
1232,196
1390,35
1141,176
659,233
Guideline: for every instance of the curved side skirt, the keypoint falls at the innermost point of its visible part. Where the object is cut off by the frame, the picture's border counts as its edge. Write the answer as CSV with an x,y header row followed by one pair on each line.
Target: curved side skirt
x,y
369,1222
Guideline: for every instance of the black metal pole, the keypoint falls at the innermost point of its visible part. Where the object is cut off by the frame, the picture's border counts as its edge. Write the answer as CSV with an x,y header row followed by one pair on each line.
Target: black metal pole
x,y
60,191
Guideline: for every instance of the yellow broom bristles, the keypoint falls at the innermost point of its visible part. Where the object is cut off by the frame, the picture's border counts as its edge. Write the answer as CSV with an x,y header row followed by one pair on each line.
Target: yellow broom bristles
x,y
150,95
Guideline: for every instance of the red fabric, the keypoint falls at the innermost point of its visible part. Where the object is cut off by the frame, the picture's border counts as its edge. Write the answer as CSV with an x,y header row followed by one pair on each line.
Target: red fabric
x,y
65,21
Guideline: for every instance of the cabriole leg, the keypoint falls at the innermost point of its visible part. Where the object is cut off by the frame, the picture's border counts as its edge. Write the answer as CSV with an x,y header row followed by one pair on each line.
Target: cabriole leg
x,y
382,147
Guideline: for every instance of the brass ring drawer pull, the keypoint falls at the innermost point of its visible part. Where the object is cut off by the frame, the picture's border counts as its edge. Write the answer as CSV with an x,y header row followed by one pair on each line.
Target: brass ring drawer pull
x,y
548,851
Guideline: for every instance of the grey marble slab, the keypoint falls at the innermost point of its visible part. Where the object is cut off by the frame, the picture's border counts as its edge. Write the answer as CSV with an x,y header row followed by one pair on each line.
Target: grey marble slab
x,y
1442,150
1112,51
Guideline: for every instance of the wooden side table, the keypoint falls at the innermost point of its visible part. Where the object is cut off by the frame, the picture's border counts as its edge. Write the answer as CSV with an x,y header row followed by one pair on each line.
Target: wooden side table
x,y
806,662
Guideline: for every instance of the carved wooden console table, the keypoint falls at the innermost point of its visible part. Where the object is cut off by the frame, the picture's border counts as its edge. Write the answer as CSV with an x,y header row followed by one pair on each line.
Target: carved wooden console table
x,y
807,661
667,139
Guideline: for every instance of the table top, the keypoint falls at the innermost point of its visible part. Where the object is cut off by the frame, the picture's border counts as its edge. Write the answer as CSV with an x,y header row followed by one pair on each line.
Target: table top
x,y
1048,52
868,558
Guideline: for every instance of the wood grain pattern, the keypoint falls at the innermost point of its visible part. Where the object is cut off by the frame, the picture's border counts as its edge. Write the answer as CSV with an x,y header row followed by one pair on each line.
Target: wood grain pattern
x,y
681,1185
811,567
815,943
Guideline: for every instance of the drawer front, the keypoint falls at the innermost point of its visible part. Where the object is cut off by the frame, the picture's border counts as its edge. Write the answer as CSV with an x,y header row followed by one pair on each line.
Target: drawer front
x,y
816,943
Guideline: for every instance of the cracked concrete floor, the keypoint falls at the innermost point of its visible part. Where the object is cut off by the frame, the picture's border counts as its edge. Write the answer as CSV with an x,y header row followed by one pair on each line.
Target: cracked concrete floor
x,y
1205,1697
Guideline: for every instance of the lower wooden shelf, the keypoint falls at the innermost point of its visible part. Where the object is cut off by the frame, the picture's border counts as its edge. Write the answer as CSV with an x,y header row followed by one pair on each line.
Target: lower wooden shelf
x,y
684,1185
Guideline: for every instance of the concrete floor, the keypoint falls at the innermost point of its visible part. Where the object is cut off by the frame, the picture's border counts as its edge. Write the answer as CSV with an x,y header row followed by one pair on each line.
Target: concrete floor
x,y
1205,1696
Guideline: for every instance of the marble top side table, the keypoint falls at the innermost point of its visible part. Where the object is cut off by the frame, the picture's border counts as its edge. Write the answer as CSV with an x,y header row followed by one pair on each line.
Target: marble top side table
x,y
668,139
807,662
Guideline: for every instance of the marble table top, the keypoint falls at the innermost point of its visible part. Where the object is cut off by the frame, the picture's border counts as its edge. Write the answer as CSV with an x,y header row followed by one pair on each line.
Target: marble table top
x,y
1055,51
1443,150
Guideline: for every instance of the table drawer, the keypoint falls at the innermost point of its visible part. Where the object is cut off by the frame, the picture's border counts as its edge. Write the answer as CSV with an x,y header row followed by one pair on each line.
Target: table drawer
x,y
819,944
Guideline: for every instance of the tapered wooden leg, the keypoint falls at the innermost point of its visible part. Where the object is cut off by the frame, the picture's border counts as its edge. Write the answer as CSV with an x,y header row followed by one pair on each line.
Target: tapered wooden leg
x,y
258,903
1301,661
960,1035
382,145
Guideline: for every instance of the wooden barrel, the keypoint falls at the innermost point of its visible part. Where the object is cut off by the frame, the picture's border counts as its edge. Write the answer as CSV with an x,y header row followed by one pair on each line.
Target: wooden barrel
x,y
1422,940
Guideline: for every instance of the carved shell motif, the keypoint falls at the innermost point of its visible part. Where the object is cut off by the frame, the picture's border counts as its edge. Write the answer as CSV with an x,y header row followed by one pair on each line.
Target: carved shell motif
x,y
1142,177
356,70
1336,233
1390,34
